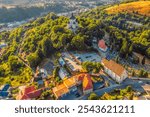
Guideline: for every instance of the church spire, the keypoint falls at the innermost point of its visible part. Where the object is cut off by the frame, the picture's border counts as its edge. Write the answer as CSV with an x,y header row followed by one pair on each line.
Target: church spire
x,y
72,16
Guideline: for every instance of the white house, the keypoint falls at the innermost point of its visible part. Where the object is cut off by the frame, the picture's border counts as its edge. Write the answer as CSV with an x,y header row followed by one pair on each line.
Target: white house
x,y
73,24
114,70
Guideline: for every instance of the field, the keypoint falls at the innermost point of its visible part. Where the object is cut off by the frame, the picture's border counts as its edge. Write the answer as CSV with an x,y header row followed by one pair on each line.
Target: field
x,y
140,7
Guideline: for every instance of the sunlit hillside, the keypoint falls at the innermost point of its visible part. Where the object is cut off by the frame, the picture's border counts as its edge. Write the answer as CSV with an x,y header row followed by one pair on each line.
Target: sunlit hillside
x,y
140,7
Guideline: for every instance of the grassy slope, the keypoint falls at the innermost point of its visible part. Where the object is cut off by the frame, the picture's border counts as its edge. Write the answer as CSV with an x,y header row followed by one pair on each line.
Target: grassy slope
x,y
142,7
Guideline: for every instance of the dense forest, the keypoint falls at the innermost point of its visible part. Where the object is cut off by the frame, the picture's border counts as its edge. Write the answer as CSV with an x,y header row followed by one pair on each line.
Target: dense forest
x,y
46,35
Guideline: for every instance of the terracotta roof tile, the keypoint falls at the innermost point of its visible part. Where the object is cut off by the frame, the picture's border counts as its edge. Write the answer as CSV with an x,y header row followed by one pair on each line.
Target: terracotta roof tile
x,y
70,82
34,94
29,89
113,66
102,44
28,93
87,83
60,90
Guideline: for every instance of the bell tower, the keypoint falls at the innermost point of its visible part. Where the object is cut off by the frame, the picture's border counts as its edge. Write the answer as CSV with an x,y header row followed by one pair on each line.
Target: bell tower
x,y
73,24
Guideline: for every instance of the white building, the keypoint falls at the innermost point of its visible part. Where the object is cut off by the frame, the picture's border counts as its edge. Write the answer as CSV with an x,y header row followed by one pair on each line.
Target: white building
x,y
63,73
114,70
73,24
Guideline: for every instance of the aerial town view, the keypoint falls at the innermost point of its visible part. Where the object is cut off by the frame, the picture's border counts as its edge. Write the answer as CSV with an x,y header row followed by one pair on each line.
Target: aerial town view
x,y
75,50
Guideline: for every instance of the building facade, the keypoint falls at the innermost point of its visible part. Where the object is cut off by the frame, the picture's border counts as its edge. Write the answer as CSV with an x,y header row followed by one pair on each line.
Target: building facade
x,y
73,24
114,70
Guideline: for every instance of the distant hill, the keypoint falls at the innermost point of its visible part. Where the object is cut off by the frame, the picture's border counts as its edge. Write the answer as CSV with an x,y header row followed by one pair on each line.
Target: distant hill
x,y
11,2
140,7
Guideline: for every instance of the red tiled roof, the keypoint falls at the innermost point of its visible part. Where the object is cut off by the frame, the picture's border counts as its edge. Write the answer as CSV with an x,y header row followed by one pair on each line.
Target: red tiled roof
x,y
23,97
80,77
87,83
102,45
29,93
34,94
28,89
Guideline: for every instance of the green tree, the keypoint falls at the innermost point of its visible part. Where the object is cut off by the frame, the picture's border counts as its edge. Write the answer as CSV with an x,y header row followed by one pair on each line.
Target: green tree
x,y
124,48
14,63
33,59
131,49
46,46
93,96
78,42
2,71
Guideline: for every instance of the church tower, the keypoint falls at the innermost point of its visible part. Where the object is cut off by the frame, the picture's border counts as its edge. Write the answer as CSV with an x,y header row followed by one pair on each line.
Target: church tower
x,y
73,24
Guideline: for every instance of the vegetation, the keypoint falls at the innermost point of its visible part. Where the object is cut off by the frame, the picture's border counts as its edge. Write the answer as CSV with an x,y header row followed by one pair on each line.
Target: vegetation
x,y
143,74
94,67
117,94
31,43
93,96
139,7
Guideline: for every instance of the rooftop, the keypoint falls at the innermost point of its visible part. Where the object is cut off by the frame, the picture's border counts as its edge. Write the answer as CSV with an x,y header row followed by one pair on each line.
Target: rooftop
x,y
102,45
84,79
113,66
70,82
87,82
60,90
72,16
28,93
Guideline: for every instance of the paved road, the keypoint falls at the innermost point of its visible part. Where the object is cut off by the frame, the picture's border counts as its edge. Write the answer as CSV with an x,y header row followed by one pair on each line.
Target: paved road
x,y
136,78
135,85
107,78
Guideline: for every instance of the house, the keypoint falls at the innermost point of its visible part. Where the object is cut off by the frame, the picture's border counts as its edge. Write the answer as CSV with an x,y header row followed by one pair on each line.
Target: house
x,y
73,24
79,78
87,84
60,91
63,73
41,73
40,76
114,70
84,79
4,94
61,61
102,46
5,91
5,87
68,86
140,58
3,45
70,83
28,92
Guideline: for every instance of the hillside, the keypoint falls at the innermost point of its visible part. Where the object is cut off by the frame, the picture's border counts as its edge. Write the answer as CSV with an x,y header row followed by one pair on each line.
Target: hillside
x,y
140,7
49,35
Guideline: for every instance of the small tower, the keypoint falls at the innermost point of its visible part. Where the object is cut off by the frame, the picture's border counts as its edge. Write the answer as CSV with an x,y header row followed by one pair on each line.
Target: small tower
x,y
73,24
